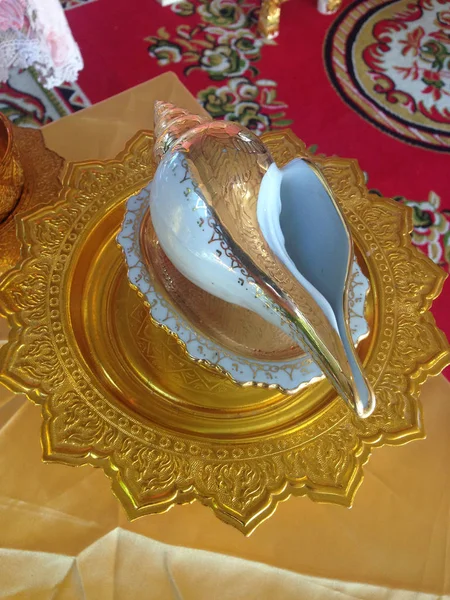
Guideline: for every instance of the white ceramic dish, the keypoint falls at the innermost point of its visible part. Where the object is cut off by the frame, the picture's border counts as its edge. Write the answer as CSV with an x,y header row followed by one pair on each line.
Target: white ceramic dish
x,y
287,375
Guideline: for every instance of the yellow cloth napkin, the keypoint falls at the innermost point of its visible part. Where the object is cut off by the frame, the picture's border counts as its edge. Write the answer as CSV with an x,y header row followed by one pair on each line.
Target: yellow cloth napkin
x,y
123,564
63,535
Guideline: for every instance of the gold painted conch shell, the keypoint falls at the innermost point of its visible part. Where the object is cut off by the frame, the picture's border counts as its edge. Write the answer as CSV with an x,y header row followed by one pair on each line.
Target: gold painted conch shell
x,y
217,201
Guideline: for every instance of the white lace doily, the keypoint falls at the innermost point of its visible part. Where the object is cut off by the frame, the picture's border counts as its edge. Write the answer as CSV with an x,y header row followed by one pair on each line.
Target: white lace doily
x,y
35,33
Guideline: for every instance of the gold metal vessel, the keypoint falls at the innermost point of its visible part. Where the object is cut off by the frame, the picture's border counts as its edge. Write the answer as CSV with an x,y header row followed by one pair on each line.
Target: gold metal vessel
x,y
11,171
29,176
118,393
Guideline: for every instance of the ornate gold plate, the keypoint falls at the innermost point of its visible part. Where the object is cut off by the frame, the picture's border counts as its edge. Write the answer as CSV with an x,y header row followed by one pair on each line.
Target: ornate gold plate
x,y
119,393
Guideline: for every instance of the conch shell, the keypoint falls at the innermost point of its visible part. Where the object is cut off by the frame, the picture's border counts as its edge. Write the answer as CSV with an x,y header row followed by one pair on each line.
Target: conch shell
x,y
170,124
216,181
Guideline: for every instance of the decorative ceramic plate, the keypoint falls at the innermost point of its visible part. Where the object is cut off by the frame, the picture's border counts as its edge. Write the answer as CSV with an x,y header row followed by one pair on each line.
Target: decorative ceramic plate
x,y
118,393
225,337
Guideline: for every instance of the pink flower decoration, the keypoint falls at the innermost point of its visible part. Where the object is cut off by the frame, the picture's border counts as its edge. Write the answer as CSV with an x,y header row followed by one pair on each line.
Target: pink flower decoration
x,y
12,14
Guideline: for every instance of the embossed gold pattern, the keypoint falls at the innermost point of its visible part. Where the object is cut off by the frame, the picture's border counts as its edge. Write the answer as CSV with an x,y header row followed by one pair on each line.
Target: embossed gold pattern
x,y
118,393
36,183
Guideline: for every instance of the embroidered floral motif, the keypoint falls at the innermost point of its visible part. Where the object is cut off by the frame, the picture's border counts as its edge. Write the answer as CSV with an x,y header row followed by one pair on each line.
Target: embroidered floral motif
x,y
390,60
165,52
226,13
185,9
241,100
413,41
433,83
221,45
417,52
431,227
222,61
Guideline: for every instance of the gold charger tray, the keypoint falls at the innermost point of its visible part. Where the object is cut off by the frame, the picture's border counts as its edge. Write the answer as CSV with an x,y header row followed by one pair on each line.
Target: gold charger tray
x,y
119,393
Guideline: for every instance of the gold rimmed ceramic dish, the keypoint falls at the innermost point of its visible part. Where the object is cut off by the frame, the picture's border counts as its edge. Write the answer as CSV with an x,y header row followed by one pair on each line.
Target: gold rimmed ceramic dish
x,y
225,337
119,393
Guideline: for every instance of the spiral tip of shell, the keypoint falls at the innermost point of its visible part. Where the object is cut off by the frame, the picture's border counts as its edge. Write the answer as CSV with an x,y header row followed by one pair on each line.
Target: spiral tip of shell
x,y
170,123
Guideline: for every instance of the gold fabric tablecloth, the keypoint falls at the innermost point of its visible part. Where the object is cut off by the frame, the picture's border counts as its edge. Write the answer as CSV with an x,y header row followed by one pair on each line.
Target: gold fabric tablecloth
x,y
63,535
